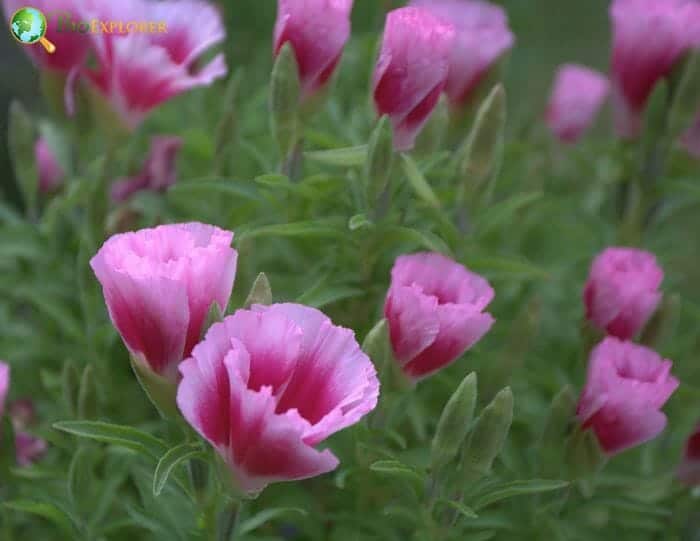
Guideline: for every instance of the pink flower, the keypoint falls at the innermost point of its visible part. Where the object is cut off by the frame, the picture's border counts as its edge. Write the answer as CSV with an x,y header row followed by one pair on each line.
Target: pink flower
x,y
689,469
649,38
317,31
72,47
576,99
267,385
622,291
412,70
159,285
158,172
435,309
139,71
4,385
627,385
482,37
51,174
29,449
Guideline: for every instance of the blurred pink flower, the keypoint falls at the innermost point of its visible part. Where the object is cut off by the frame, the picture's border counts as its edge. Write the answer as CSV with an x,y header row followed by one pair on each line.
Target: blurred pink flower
x,y
158,171
411,71
28,448
159,285
317,31
435,310
51,175
482,37
649,38
71,47
267,385
576,99
622,291
689,469
627,385
139,71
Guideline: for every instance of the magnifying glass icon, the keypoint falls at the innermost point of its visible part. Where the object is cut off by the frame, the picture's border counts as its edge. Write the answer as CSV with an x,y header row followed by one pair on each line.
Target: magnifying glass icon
x,y
28,26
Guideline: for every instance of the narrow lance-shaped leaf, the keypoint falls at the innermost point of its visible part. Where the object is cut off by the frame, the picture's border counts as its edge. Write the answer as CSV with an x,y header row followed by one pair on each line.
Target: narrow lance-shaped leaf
x,y
487,437
433,134
454,423
226,130
418,182
377,346
663,323
285,91
260,292
70,385
479,158
170,460
685,94
87,395
379,161
584,456
21,138
556,430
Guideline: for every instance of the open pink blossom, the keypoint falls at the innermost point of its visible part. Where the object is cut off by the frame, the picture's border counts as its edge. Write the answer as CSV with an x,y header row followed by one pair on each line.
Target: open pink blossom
x,y
649,38
689,469
435,310
158,171
51,174
482,37
138,71
411,71
317,31
159,285
267,385
578,94
622,291
627,386
72,46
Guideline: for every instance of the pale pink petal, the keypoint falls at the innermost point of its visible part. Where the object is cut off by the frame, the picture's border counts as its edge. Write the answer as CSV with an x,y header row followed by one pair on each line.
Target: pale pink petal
x,y
29,449
4,385
414,321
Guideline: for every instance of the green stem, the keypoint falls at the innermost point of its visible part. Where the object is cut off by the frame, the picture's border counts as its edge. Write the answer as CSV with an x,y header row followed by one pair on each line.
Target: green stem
x,y
228,521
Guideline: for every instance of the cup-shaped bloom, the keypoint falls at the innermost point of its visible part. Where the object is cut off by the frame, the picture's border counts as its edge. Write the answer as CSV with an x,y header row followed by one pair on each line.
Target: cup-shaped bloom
x,y
158,171
626,387
622,291
411,71
482,37
689,468
435,310
267,385
139,70
51,173
640,62
317,31
62,18
577,96
159,284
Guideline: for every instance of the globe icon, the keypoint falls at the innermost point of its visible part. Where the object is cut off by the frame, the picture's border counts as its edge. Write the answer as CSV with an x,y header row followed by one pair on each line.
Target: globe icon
x,y
28,25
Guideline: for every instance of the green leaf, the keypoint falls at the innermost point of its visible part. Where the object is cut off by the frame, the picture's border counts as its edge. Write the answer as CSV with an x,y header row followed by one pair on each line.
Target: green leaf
x,y
418,182
226,129
422,239
119,435
285,93
57,141
501,214
380,158
559,422
394,468
87,395
321,294
462,509
503,267
359,221
304,229
685,93
170,460
21,138
263,517
377,346
70,385
211,187
260,292
341,157
160,391
47,510
214,315
517,488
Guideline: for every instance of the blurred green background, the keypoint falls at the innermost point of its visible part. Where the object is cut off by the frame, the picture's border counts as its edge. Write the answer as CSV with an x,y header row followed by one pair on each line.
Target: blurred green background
x,y
548,33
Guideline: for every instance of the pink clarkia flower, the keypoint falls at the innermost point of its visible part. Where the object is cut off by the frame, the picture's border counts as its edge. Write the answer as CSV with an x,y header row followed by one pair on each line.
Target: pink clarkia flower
x,y
622,291
158,172
576,99
626,387
649,38
412,70
267,385
28,448
138,71
482,37
51,175
435,310
159,285
317,31
689,469
72,47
